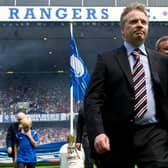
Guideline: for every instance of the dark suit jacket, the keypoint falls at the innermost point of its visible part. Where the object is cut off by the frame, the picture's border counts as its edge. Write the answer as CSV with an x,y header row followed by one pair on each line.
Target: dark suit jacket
x,y
81,127
109,99
11,137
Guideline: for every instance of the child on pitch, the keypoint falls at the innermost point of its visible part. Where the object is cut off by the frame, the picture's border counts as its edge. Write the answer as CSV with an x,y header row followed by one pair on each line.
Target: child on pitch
x,y
27,139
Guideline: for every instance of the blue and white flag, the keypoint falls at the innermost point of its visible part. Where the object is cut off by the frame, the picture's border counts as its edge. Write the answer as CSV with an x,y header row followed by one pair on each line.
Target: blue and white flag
x,y
78,71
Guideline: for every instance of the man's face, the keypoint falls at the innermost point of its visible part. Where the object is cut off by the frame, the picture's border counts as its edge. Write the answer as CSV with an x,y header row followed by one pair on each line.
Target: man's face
x,y
19,119
163,47
135,29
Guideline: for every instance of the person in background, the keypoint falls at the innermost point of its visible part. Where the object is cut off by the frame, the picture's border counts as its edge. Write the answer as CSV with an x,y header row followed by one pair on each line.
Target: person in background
x,y
27,139
162,45
126,103
82,139
11,134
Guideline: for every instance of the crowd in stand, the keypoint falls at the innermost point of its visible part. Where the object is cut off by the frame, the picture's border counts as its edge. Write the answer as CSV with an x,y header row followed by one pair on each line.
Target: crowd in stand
x,y
49,135
46,135
45,93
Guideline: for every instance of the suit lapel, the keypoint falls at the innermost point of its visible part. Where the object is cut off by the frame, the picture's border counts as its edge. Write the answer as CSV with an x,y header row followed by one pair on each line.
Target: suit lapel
x,y
124,63
155,66
157,70
153,63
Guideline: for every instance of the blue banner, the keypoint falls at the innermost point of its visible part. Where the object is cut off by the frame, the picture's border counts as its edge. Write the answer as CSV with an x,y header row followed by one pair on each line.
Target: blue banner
x,y
45,153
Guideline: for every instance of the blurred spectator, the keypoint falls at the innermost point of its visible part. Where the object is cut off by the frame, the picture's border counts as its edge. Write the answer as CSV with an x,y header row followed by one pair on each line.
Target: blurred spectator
x,y
11,134
162,45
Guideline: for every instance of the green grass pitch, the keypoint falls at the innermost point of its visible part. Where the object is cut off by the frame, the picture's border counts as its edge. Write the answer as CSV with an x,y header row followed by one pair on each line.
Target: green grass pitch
x,y
39,165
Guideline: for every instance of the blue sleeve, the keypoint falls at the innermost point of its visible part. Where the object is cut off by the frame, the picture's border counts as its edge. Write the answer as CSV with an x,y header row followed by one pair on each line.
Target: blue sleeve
x,y
35,135
17,138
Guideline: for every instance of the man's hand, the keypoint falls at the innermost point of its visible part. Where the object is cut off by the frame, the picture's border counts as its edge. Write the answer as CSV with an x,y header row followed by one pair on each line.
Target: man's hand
x,y
9,150
78,146
101,143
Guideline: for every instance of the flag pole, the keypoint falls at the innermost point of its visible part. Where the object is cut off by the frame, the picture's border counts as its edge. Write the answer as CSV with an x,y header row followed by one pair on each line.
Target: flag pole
x,y
71,94
79,78
71,111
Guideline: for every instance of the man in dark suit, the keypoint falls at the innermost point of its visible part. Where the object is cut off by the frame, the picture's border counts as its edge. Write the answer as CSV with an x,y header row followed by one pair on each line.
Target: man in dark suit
x,y
82,139
11,134
127,126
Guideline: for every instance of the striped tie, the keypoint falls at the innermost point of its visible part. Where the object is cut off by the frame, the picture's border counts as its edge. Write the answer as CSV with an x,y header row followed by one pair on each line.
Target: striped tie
x,y
140,104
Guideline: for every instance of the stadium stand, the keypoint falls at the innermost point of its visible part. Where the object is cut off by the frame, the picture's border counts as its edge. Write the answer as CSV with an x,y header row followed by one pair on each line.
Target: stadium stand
x,y
46,93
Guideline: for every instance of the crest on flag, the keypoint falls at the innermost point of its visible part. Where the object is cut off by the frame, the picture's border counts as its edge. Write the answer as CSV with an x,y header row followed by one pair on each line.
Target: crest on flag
x,y
77,66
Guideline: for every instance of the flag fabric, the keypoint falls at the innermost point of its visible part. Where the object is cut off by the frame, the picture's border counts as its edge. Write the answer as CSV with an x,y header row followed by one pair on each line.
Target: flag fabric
x,y
78,72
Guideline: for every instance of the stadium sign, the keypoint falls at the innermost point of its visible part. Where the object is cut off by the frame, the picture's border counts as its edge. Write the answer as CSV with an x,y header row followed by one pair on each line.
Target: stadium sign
x,y
73,14
7,118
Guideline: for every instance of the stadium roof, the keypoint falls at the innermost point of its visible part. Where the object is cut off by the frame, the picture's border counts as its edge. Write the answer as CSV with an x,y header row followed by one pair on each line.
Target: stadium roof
x,y
43,47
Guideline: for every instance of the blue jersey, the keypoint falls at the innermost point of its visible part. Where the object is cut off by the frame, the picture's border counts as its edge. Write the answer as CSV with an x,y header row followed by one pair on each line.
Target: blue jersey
x,y
26,151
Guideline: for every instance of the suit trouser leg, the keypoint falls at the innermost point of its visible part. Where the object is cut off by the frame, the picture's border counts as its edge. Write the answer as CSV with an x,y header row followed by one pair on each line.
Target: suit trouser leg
x,y
151,146
89,162
107,160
